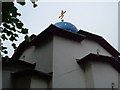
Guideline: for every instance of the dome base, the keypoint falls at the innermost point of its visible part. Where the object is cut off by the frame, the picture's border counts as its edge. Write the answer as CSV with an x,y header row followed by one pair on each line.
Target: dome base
x,y
66,26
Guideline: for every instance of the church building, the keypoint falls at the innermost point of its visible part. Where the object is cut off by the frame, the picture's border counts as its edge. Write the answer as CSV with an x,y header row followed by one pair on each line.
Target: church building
x,y
63,57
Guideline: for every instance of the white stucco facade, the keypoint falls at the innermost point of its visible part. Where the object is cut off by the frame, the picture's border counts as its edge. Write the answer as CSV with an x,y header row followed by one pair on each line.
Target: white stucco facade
x,y
100,74
37,82
7,78
59,55
67,73
41,55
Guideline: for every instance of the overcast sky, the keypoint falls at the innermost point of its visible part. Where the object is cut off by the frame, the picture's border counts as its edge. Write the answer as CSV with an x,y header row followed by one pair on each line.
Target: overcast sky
x,y
100,18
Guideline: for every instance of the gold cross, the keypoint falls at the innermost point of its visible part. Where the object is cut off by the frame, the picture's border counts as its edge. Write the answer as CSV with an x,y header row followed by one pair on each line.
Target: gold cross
x,y
62,15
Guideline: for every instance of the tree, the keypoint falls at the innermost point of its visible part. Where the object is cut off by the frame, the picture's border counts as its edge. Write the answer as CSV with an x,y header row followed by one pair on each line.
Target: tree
x,y
11,26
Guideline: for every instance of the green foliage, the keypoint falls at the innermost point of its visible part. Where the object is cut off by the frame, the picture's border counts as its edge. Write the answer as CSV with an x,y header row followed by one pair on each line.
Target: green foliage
x,y
14,45
21,3
27,38
11,26
24,31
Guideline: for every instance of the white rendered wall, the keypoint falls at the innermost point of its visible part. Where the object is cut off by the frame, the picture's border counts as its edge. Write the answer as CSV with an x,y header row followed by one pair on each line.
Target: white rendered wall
x,y
89,75
67,73
41,55
38,82
6,76
104,75
26,56
59,56
22,82
6,79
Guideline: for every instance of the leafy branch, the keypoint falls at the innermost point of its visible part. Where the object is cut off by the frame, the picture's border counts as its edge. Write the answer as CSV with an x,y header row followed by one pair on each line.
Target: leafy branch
x,y
11,26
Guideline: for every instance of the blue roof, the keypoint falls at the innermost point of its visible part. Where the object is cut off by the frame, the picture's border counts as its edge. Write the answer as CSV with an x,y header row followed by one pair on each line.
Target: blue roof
x,y
66,26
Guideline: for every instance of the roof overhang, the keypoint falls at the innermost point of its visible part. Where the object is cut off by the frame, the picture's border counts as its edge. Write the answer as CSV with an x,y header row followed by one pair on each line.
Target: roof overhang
x,y
11,62
46,35
31,72
100,40
100,58
53,30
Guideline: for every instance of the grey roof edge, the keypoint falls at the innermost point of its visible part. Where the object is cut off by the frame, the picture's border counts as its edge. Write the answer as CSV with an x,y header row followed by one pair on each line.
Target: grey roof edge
x,y
100,58
45,35
31,72
53,30
79,36
100,40
12,62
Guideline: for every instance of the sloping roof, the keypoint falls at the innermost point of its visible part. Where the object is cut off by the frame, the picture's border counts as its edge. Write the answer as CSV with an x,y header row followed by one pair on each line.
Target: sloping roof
x,y
11,62
100,40
30,72
53,30
24,45
45,35
21,48
100,58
